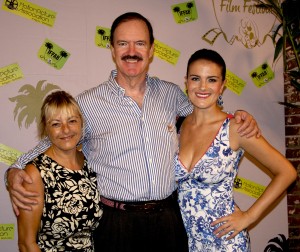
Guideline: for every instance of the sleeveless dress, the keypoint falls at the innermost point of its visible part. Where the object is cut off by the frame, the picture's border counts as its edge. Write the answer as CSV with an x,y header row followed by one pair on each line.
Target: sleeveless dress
x,y
206,194
71,207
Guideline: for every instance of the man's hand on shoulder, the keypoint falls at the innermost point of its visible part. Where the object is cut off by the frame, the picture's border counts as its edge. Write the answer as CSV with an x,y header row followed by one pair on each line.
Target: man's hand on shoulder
x,y
248,123
19,196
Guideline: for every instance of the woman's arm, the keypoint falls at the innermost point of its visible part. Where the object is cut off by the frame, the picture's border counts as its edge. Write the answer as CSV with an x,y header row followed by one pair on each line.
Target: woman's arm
x,y
283,175
29,221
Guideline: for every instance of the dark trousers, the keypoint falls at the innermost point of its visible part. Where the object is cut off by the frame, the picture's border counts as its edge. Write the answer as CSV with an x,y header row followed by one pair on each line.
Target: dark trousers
x,y
139,231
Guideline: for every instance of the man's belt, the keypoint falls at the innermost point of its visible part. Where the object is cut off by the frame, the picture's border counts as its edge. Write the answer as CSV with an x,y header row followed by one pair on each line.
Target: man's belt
x,y
146,206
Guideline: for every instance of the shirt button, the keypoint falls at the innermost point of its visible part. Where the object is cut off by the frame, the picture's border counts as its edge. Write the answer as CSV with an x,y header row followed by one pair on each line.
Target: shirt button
x,y
150,160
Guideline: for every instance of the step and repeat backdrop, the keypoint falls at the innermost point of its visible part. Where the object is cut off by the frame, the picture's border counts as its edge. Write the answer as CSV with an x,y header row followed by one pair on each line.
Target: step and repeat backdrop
x,y
48,45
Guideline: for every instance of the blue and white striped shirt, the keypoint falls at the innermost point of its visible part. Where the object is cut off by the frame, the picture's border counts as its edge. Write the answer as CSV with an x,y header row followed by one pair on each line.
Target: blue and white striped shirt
x,y
130,148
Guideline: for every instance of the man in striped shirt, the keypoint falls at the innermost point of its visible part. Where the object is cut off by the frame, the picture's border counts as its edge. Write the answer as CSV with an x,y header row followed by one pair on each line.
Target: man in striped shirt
x,y
130,140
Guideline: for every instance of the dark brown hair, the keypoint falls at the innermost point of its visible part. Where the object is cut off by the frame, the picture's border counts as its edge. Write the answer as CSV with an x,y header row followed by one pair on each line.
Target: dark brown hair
x,y
128,16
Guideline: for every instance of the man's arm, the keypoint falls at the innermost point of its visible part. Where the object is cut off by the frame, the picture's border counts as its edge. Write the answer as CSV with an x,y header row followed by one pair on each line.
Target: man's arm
x,y
15,176
248,126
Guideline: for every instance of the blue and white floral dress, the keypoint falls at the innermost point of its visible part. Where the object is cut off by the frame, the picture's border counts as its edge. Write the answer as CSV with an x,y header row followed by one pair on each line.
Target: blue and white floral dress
x,y
206,194
71,207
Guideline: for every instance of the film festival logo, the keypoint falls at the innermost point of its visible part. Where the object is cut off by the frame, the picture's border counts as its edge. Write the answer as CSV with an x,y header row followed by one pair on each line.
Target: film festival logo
x,y
184,12
102,37
236,22
53,54
262,75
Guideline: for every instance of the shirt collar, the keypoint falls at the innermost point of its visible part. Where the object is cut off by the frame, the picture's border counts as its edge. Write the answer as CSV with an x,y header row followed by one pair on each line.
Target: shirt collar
x,y
116,88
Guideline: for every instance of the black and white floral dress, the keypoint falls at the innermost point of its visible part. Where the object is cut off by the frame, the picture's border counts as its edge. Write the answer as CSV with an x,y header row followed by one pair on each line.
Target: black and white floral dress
x,y
71,207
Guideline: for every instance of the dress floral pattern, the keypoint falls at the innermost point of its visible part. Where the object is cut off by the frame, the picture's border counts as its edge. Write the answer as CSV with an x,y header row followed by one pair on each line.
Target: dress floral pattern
x,y
206,194
71,207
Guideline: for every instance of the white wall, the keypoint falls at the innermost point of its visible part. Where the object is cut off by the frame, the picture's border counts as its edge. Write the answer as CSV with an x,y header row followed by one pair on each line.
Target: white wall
x,y
89,65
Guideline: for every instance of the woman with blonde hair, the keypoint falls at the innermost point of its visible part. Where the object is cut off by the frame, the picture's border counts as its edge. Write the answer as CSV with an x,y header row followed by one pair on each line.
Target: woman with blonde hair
x,y
68,207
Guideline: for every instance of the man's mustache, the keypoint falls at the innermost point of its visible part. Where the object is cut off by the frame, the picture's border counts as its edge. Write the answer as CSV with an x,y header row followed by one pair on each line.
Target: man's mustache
x,y
131,57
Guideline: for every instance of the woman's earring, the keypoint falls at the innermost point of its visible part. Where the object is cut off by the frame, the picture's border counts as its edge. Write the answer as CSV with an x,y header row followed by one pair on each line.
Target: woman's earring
x,y
220,101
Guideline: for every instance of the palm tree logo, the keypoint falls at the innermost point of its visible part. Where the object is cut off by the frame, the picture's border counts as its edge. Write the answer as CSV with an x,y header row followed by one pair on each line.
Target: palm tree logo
x,y
102,37
63,54
48,46
190,6
254,74
279,244
29,103
101,32
176,10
